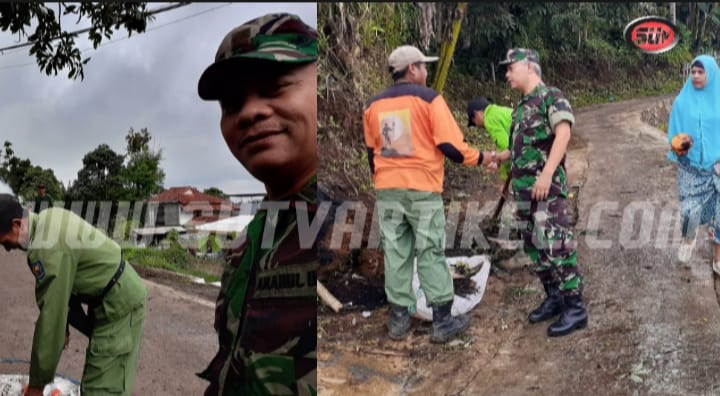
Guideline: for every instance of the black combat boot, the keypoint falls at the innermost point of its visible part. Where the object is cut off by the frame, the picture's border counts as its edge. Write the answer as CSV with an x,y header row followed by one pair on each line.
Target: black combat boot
x,y
446,326
399,322
551,306
574,317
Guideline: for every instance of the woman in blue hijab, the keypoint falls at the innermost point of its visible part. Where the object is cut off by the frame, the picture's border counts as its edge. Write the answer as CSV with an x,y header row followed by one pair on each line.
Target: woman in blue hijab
x,y
696,112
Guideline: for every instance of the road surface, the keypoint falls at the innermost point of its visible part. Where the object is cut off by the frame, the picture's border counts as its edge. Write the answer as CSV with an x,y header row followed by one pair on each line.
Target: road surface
x,y
178,339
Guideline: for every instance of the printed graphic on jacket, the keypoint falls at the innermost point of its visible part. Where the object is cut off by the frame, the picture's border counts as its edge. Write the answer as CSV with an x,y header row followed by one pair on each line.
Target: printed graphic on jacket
x,y
396,133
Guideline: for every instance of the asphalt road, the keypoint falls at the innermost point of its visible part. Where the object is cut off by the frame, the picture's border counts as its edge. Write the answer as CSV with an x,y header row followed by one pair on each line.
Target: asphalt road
x,y
178,339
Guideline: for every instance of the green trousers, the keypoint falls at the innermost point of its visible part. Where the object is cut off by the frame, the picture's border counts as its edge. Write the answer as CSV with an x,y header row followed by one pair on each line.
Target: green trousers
x,y
412,224
112,355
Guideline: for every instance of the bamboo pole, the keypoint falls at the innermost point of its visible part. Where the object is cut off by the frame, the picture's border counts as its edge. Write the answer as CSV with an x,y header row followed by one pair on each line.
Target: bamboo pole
x,y
447,55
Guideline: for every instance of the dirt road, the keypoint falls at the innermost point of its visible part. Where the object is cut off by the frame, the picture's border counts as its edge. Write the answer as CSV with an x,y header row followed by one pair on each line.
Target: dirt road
x,y
178,339
654,324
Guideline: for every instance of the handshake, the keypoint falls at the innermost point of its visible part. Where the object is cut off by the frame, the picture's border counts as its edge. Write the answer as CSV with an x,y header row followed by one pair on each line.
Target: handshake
x,y
491,159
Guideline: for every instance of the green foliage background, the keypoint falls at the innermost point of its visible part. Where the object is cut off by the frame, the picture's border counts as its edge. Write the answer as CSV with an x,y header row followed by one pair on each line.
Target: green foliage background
x,y
581,45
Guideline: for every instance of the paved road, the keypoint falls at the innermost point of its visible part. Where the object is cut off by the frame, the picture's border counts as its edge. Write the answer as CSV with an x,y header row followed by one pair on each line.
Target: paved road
x,y
178,339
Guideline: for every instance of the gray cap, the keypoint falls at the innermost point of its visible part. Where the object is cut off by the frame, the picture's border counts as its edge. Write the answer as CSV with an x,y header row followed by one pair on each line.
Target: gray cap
x,y
406,55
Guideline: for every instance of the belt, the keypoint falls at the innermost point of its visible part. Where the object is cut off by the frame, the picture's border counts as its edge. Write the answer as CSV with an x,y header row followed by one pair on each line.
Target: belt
x,y
94,301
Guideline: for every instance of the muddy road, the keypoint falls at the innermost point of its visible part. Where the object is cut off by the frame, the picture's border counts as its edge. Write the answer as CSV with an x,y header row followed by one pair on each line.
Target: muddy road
x,y
178,339
654,324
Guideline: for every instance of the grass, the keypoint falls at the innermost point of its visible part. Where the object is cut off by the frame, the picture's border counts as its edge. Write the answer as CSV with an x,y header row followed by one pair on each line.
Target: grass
x,y
176,260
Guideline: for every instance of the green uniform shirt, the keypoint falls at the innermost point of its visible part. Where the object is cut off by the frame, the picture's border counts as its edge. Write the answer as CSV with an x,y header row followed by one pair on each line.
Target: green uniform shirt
x,y
42,203
69,256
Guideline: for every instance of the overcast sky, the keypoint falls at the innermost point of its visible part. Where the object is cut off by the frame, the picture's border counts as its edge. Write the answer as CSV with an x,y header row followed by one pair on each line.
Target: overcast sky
x,y
147,80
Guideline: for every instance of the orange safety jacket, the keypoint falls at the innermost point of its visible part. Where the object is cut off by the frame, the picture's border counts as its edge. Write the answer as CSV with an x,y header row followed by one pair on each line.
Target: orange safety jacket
x,y
408,130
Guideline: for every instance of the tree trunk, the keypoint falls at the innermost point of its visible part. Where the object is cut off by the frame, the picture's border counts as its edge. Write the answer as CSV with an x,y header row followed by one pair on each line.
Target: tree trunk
x,y
450,49
579,39
701,19
427,14
673,13
691,17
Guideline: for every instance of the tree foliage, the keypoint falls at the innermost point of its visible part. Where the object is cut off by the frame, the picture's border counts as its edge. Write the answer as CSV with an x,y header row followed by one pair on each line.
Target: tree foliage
x,y
142,176
109,176
53,45
24,177
215,192
100,177
582,50
137,141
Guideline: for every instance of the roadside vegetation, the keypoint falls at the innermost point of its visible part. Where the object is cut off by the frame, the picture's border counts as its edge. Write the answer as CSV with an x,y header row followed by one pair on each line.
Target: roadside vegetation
x,y
173,256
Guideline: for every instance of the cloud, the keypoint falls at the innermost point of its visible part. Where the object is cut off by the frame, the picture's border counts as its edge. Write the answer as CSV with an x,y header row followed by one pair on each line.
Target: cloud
x,y
5,189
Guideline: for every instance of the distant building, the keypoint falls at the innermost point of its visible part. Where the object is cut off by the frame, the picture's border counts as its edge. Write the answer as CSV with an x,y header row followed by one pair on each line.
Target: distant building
x,y
186,206
180,209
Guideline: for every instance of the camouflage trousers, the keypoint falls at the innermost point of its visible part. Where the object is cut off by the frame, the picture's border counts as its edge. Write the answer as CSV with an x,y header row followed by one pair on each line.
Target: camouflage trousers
x,y
548,241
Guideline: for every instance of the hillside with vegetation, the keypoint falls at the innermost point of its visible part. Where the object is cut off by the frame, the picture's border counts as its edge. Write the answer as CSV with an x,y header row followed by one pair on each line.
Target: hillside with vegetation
x,y
653,323
581,46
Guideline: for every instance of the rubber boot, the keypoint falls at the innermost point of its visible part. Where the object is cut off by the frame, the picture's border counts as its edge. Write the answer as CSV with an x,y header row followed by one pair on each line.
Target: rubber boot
x,y
574,317
446,326
399,322
551,306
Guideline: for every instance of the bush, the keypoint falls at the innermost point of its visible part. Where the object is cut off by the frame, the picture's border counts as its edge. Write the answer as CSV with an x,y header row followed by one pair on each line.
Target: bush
x,y
172,259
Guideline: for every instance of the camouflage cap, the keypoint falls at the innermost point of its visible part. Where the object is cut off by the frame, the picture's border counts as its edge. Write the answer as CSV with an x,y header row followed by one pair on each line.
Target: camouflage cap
x,y
281,37
520,54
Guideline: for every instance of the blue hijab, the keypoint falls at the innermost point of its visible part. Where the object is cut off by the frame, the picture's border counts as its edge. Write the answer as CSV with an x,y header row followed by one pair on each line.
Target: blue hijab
x,y
697,113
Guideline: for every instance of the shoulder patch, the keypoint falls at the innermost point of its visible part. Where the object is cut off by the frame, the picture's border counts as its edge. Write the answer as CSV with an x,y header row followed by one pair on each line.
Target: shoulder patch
x,y
38,270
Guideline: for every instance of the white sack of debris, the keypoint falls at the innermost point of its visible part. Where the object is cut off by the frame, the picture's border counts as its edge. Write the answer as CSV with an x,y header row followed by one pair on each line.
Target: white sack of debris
x,y
12,385
479,266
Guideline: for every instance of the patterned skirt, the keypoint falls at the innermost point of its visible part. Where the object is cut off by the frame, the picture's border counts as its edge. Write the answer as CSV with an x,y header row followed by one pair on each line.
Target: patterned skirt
x,y
699,192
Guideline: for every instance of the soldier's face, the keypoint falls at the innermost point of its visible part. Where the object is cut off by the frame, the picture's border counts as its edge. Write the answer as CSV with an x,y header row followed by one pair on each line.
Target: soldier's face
x,y
517,75
270,122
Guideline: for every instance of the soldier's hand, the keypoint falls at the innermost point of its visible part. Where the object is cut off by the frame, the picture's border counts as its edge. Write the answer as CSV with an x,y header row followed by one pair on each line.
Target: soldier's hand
x,y
541,189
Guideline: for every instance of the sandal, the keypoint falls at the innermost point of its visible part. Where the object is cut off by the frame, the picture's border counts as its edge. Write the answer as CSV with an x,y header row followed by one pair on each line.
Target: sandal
x,y
685,251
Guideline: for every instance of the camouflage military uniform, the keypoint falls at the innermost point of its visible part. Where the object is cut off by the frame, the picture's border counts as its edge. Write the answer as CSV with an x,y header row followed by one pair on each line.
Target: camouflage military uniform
x,y
266,312
548,238
266,315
